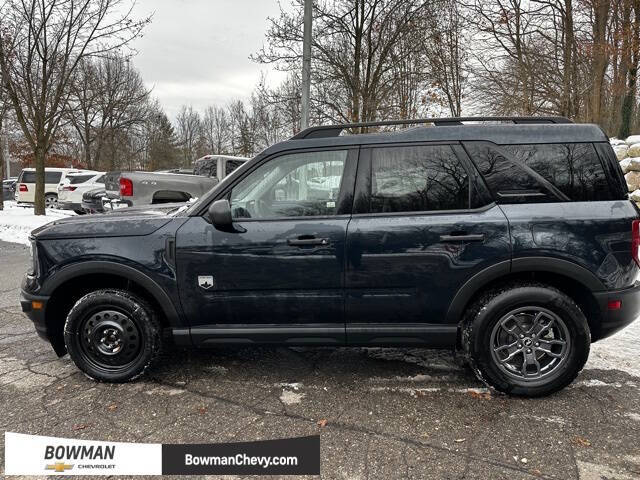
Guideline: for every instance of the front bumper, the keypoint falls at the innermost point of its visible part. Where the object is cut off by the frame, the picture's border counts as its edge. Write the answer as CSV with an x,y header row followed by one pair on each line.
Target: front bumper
x,y
35,315
616,319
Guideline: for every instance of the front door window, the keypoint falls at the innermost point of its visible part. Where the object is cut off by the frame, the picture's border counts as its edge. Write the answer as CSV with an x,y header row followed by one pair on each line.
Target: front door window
x,y
294,185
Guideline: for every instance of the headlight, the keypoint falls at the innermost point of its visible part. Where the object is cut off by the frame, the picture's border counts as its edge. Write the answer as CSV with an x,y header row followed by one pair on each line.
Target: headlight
x,y
33,266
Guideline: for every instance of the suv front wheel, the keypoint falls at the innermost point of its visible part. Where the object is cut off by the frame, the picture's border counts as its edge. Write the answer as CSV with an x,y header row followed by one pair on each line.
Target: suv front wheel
x,y
112,336
527,339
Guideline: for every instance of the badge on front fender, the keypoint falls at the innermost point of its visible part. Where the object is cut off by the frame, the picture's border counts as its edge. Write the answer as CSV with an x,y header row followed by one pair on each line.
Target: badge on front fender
x,y
206,282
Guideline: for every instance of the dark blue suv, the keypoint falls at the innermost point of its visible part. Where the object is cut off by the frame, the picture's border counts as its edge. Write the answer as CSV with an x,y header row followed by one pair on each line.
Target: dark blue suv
x,y
509,239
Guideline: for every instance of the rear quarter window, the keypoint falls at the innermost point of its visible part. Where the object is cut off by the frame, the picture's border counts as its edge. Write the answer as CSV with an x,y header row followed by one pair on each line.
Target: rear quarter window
x,y
76,179
52,177
542,172
573,168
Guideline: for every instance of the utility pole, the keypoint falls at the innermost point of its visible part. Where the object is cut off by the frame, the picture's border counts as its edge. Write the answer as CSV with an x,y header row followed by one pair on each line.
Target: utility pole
x,y
4,145
306,63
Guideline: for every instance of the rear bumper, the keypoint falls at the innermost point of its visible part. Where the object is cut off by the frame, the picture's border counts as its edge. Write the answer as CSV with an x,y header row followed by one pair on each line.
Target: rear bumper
x,y
69,206
614,320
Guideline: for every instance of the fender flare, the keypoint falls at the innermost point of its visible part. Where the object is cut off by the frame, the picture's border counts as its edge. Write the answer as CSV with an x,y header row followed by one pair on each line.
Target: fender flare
x,y
100,266
519,265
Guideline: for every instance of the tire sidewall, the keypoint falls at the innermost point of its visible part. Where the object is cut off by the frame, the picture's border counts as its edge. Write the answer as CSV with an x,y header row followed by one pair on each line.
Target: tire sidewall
x,y
137,312
506,301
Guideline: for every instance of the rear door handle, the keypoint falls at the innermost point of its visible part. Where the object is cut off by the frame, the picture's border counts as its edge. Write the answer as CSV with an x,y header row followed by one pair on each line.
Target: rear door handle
x,y
306,241
478,237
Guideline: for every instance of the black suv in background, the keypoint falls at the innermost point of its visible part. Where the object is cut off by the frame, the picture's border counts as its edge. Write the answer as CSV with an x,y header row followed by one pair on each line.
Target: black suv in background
x,y
510,239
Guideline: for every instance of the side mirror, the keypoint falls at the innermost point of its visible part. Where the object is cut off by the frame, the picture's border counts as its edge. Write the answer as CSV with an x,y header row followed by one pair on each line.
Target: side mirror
x,y
220,215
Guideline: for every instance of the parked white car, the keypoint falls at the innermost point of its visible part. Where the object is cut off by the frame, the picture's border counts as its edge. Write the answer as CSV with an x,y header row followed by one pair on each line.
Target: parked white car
x,y
26,185
71,189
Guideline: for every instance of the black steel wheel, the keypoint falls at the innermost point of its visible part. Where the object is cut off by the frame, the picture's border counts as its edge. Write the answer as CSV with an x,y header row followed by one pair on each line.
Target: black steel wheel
x,y
526,339
112,335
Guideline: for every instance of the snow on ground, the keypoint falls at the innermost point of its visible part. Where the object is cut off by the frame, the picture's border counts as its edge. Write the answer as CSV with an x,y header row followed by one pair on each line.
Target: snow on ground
x,y
17,222
618,352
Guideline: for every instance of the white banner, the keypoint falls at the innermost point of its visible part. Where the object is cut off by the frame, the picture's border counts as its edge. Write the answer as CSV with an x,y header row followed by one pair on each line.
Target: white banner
x,y
37,455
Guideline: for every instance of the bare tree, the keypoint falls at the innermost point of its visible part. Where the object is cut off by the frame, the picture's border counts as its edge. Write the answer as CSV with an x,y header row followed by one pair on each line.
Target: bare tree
x,y
189,134
108,98
215,130
42,43
446,53
599,56
242,131
352,48
4,107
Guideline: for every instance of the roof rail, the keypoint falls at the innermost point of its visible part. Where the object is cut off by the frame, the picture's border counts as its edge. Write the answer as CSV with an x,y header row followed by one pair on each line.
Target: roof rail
x,y
335,130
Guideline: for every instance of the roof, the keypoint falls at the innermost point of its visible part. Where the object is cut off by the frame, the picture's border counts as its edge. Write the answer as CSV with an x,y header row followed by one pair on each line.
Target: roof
x,y
501,134
228,157
57,169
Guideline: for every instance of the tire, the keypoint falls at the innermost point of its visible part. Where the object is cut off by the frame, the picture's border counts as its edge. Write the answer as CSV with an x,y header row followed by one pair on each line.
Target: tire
x,y
113,336
526,340
50,201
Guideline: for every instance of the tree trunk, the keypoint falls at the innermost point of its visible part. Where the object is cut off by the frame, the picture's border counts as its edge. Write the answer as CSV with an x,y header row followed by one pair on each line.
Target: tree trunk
x,y
40,152
629,101
2,159
600,60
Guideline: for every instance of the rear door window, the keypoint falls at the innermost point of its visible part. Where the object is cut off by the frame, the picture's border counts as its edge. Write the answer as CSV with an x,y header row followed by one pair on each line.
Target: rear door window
x,y
417,178
28,177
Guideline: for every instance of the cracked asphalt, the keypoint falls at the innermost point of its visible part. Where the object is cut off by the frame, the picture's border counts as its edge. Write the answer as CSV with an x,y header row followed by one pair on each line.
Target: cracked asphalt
x,y
390,413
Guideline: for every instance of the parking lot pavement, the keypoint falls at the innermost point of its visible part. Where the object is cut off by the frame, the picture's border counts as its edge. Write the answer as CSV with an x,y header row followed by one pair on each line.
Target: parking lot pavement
x,y
381,413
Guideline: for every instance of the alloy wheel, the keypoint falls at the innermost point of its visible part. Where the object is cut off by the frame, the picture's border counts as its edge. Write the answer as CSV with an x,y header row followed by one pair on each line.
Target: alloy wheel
x,y
530,343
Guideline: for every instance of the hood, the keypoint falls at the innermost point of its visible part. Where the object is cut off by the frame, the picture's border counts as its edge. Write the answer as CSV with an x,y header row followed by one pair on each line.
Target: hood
x,y
98,226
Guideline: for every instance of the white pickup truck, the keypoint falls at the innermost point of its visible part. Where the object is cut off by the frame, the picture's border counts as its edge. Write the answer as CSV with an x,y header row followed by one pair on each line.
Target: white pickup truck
x,y
127,189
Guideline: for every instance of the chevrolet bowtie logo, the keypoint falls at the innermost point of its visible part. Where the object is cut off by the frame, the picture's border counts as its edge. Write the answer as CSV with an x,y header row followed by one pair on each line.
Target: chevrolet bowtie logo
x,y
59,467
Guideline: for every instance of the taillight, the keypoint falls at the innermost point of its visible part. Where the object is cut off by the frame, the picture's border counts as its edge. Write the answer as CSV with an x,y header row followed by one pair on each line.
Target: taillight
x,y
69,189
23,188
126,187
635,241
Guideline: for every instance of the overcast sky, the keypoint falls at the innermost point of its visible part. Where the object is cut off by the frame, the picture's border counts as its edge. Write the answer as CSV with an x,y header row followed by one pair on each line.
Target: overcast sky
x,y
197,51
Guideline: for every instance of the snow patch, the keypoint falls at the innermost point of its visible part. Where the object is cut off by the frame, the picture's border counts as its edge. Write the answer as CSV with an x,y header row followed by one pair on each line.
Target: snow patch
x,y
16,223
551,419
633,416
414,392
619,352
291,398
294,385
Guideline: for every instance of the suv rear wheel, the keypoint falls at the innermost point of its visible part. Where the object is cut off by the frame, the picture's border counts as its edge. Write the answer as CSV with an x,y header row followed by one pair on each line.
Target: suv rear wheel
x,y
528,339
50,200
112,336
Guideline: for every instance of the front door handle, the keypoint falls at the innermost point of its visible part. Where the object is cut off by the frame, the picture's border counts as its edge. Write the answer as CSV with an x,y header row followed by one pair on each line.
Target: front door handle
x,y
478,237
307,241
